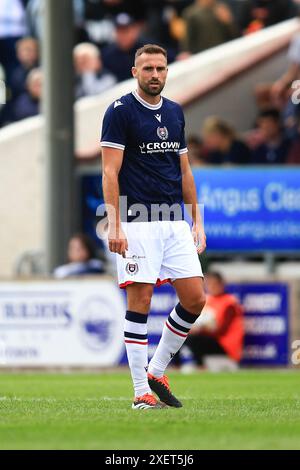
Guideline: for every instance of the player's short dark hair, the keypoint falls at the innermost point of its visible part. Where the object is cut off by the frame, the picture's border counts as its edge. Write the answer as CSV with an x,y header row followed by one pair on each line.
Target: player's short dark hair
x,y
151,49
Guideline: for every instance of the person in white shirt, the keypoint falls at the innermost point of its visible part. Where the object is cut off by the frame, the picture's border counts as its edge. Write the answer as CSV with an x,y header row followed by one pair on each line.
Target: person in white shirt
x,y
82,259
12,27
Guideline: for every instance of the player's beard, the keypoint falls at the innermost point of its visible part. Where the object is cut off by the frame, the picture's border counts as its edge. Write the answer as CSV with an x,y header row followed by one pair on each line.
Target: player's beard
x,y
151,92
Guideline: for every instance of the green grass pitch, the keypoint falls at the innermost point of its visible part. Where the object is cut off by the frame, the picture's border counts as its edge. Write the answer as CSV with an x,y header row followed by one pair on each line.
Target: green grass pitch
x,y
244,410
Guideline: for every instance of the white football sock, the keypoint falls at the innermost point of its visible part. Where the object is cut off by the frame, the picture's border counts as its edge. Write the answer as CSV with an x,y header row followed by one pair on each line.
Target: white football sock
x,y
174,335
136,341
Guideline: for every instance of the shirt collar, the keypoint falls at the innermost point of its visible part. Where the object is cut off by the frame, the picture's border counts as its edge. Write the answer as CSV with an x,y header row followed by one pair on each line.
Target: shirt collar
x,y
153,107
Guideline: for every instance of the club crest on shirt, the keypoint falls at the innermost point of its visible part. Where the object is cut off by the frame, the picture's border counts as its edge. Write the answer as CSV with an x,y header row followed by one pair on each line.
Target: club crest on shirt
x,y
162,133
132,268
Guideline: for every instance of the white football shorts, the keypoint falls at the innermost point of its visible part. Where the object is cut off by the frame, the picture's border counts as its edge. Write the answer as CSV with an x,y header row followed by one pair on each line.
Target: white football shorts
x,y
158,252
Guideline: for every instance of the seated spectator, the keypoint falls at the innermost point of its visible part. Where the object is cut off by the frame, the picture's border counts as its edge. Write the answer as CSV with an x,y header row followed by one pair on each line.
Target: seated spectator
x,y
28,57
28,103
196,151
275,147
118,57
294,153
92,79
208,24
82,259
222,144
219,330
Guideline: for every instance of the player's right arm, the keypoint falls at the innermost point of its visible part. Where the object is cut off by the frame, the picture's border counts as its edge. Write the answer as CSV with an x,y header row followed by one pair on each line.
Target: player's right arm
x,y
112,159
113,142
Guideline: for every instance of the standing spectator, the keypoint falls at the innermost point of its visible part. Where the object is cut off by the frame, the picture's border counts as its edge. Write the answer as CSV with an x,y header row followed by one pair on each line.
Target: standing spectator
x,y
99,17
258,14
275,94
12,28
82,259
279,94
275,147
208,24
28,57
293,71
222,144
35,16
219,330
29,102
118,57
92,79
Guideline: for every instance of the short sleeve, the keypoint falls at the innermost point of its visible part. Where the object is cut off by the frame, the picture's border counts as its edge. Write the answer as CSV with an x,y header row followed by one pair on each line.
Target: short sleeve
x,y
294,50
183,147
114,128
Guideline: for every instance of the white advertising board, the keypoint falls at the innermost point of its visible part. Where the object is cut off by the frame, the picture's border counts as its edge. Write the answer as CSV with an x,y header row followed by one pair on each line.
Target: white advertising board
x,y
66,323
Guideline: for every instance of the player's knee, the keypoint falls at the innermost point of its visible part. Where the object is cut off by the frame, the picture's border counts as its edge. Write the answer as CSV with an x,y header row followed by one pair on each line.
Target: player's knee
x,y
141,303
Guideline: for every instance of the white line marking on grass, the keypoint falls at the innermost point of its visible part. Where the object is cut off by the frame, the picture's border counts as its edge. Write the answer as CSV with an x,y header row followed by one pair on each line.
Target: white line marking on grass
x,y
115,398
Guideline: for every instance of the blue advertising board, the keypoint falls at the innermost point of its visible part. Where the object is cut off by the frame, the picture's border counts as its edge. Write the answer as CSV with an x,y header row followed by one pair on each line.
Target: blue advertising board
x,y
265,321
250,209
245,210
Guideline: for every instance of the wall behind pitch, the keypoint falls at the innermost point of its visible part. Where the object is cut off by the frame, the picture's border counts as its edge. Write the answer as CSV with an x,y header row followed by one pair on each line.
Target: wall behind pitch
x,y
234,101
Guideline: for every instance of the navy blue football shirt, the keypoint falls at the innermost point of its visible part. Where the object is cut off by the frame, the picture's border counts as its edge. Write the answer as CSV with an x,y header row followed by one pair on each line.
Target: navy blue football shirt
x,y
152,137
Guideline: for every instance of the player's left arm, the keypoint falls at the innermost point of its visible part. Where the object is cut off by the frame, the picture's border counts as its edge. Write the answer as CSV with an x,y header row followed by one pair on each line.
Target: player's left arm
x,y
190,199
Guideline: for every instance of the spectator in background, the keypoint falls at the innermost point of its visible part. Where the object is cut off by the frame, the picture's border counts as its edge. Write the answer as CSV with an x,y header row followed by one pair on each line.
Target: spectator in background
x,y
275,94
118,57
165,24
281,89
92,79
28,103
275,147
196,151
28,57
279,94
294,153
222,144
219,330
12,28
208,24
35,16
82,259
258,14
99,17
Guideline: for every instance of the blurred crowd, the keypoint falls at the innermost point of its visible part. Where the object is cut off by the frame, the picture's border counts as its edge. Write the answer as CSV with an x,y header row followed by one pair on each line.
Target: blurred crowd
x,y
106,36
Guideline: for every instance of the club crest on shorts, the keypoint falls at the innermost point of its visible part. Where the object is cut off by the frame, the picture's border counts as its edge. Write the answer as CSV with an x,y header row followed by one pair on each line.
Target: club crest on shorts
x,y
162,133
132,268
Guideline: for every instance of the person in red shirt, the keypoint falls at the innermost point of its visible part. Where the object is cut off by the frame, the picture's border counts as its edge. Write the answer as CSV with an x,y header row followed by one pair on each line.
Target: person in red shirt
x,y
219,329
